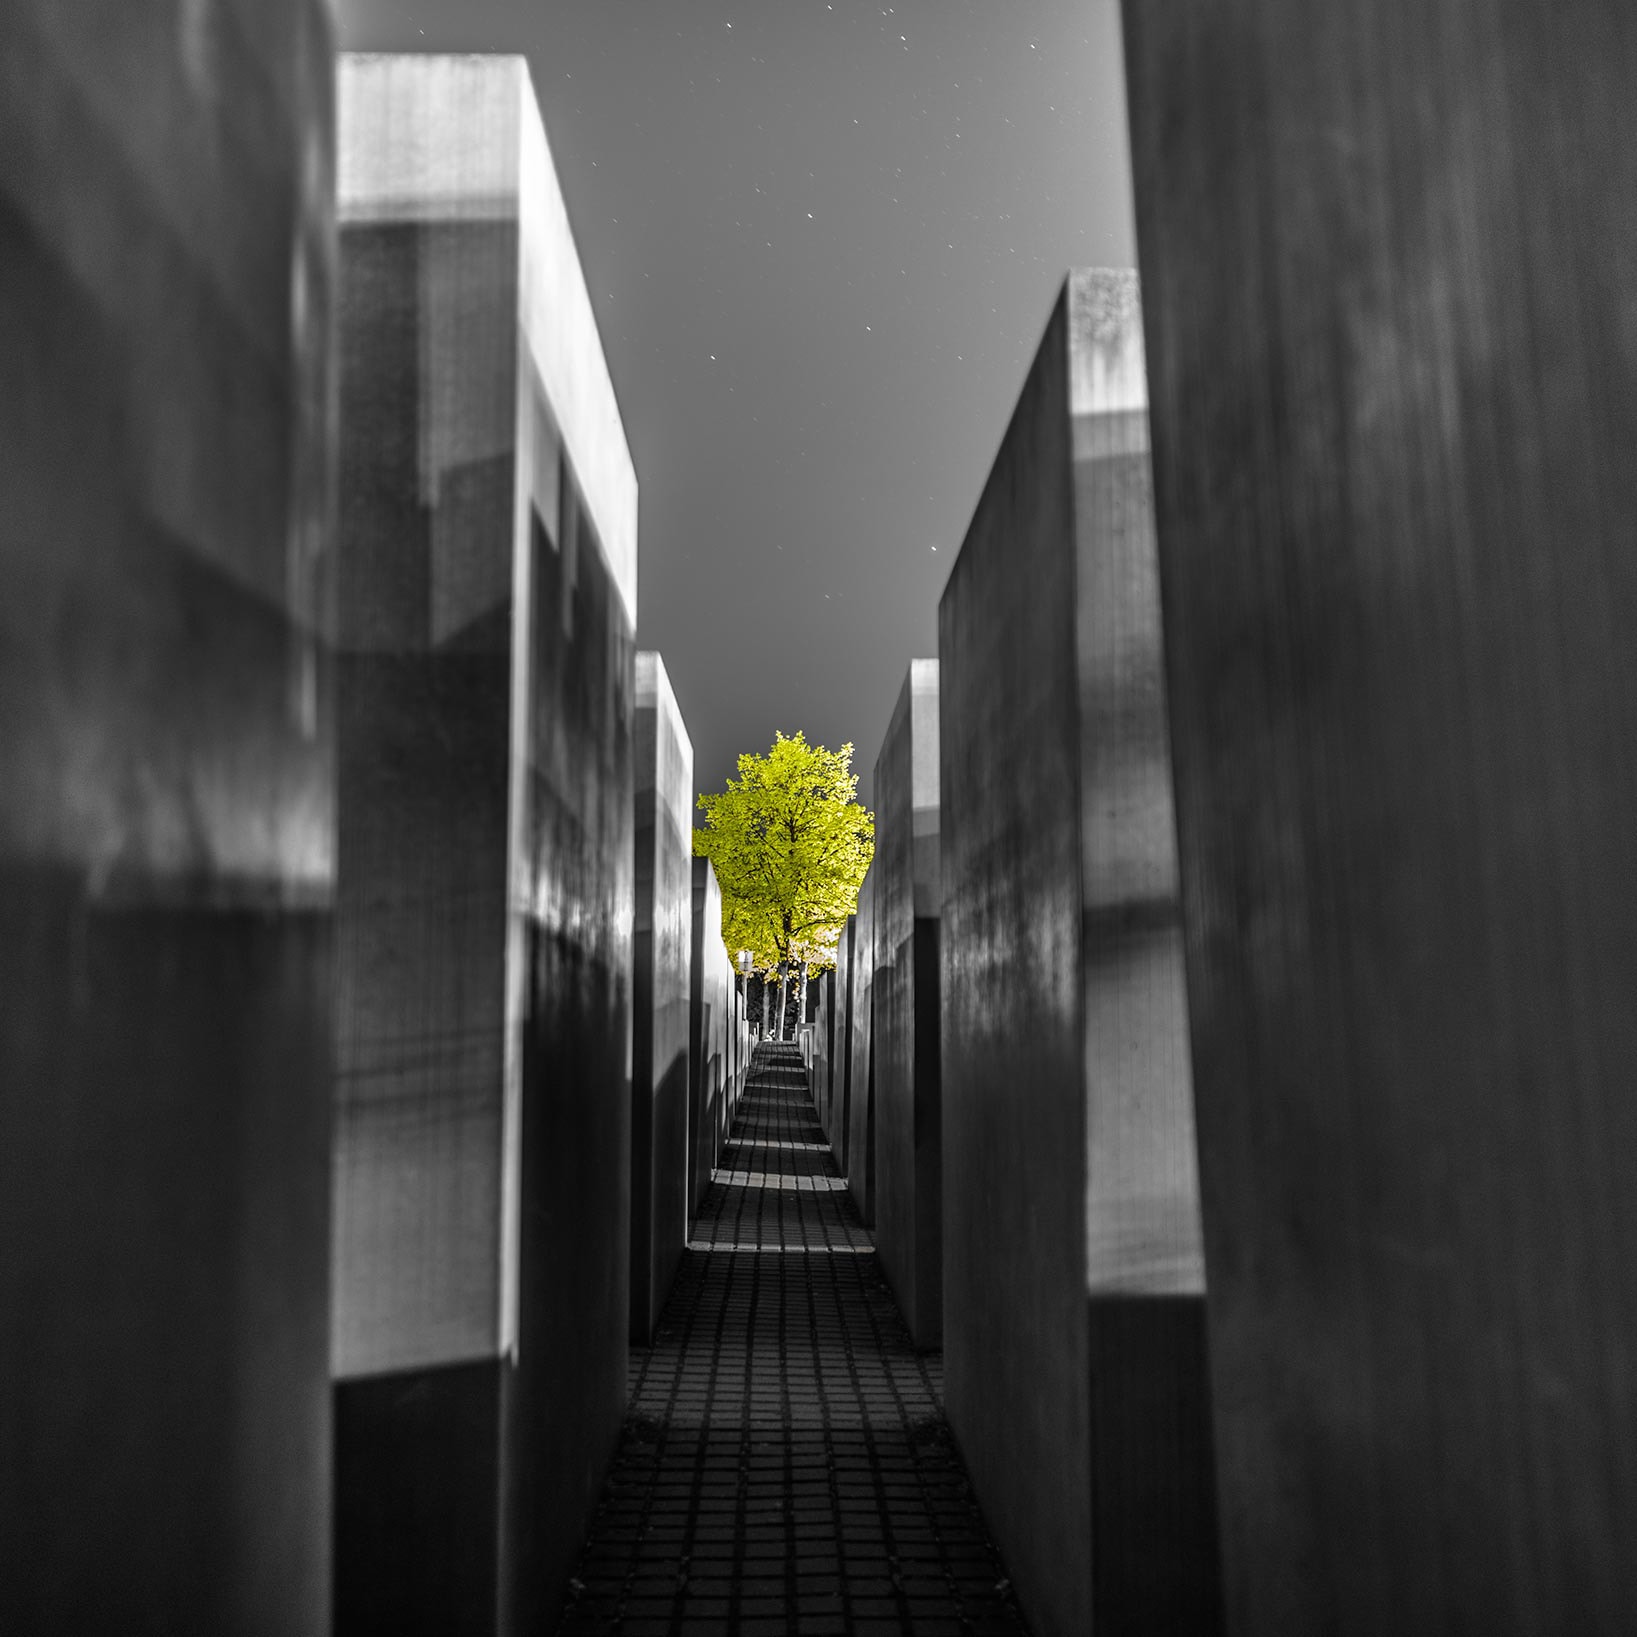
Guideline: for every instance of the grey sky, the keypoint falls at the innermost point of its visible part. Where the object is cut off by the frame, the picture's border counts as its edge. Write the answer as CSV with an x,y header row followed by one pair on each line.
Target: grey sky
x,y
822,239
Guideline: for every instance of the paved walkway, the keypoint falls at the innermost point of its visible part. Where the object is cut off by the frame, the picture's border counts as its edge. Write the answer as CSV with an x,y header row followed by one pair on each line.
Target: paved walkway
x,y
785,1465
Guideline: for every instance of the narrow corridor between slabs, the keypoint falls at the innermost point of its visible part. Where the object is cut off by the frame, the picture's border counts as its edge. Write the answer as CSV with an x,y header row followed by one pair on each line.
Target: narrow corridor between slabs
x,y
785,1465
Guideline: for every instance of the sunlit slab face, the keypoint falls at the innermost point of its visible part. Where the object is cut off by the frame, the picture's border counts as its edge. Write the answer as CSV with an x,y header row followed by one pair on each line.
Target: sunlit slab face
x,y
460,139
1142,1192
490,508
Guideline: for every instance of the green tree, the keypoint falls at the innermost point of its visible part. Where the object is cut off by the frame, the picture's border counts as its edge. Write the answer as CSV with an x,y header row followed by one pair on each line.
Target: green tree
x,y
790,843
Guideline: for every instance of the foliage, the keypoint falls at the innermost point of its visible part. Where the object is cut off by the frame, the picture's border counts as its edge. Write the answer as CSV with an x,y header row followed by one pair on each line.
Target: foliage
x,y
790,845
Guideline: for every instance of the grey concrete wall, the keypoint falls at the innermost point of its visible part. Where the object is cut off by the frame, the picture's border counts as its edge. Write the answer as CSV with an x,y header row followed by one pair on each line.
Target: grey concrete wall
x,y
738,1053
742,1047
737,1032
860,1111
824,1043
485,737
729,1045
908,1185
662,963
841,1073
1153,1477
1395,496
166,848
847,966
818,1073
1074,1326
832,1040
710,1033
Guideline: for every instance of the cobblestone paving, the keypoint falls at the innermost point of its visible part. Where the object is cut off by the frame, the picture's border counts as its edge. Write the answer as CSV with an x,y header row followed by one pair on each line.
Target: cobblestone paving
x,y
785,1465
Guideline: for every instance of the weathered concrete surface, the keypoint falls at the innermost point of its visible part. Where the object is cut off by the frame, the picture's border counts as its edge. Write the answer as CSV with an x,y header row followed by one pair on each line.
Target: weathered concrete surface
x,y
1074,1324
166,852
860,1110
738,1052
711,1041
834,1116
486,712
908,1137
824,1042
739,1049
1387,253
662,961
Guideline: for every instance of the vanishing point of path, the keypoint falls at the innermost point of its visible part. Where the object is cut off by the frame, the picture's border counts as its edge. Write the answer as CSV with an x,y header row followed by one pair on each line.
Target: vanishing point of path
x,y
785,1465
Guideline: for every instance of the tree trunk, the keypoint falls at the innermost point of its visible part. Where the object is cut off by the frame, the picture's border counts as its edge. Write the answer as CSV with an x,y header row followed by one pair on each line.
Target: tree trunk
x,y
801,1001
767,1008
784,991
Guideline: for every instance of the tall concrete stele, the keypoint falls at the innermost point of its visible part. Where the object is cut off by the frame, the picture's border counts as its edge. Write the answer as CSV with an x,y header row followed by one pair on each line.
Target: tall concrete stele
x,y
908,1116
662,965
824,1041
167,863
487,602
712,1035
1074,1318
860,1109
1387,253
836,1109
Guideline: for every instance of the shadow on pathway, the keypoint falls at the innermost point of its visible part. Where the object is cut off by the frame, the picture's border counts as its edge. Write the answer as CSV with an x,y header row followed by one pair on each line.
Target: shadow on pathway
x,y
785,1465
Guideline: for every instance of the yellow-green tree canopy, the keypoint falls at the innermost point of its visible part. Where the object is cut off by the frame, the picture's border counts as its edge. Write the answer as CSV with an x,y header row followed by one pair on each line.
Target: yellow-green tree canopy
x,y
790,845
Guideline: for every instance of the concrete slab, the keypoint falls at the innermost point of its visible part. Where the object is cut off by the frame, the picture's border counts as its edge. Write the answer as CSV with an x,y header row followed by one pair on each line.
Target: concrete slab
x,y
742,1054
167,860
1074,1292
662,962
861,1057
710,1033
824,1042
909,1139
835,1116
486,898
1392,427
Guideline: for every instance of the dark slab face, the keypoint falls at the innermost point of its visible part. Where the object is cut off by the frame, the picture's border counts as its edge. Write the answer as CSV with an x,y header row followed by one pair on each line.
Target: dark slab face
x,y
1074,1314
909,1227
575,1131
166,862
662,965
417,1463
1386,262
1013,1102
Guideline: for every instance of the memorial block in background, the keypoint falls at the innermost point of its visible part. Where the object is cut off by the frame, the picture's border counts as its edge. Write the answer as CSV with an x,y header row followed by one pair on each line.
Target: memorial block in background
x,y
487,595
824,1029
909,887
860,1109
740,1045
167,863
835,1110
710,1034
1387,261
1074,1322
662,949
